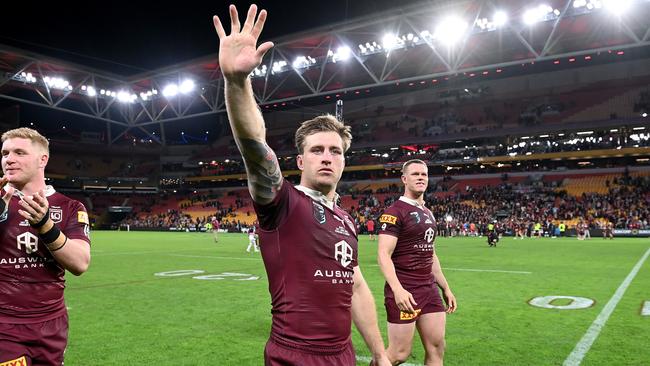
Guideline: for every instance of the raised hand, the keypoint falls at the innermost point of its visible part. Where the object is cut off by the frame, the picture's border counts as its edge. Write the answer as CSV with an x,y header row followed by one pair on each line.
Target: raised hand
x,y
239,54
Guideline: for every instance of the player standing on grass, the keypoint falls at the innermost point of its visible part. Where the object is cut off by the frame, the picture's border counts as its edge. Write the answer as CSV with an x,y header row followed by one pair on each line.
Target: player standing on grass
x,y
215,228
407,258
309,244
44,233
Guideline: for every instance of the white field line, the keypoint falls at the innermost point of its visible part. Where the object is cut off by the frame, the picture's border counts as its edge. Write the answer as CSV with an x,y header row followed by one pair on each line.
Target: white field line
x,y
259,259
583,346
100,253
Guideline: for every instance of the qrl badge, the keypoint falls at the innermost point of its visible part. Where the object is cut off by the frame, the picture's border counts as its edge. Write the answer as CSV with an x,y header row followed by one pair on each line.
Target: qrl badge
x,y
319,213
56,215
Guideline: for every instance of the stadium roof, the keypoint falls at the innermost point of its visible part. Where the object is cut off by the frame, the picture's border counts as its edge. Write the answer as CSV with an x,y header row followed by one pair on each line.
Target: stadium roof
x,y
417,43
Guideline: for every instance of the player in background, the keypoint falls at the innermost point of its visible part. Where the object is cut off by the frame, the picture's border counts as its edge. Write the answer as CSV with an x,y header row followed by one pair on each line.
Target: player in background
x,y
370,226
252,239
44,233
215,229
408,260
608,231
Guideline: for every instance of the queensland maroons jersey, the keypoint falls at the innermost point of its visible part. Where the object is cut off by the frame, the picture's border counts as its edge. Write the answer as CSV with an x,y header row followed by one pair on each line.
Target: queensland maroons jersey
x,y
415,229
309,248
31,281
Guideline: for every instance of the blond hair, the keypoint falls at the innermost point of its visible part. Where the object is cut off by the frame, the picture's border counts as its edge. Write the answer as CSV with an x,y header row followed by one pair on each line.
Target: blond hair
x,y
412,161
29,134
324,123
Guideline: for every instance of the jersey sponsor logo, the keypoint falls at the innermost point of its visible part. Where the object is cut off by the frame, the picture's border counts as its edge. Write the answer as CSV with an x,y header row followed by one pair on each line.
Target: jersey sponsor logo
x,y
82,217
29,241
56,215
319,213
341,229
416,217
388,219
24,223
343,253
403,315
21,361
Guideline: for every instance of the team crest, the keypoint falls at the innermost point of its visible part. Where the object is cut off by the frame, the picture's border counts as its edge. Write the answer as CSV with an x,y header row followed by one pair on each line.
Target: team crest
x,y
416,217
56,215
319,213
4,216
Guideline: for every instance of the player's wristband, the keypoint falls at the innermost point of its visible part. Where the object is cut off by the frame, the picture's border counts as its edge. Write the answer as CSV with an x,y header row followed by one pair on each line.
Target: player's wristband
x,y
43,220
61,246
51,235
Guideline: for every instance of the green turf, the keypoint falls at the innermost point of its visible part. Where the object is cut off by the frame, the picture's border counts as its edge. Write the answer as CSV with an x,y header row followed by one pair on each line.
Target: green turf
x,y
120,313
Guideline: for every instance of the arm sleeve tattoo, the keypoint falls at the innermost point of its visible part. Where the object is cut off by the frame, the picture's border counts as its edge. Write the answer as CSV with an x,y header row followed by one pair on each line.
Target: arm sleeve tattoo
x,y
262,168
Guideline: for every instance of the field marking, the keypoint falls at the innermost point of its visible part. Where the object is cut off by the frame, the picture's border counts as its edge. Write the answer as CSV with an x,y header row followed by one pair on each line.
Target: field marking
x,y
583,346
215,257
645,311
470,270
368,359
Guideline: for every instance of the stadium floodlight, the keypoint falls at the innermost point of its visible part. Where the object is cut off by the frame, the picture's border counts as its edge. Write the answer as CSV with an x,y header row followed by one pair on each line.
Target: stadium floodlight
x,y
538,14
450,30
277,66
186,86
500,18
91,91
57,83
123,96
389,42
342,54
170,90
617,7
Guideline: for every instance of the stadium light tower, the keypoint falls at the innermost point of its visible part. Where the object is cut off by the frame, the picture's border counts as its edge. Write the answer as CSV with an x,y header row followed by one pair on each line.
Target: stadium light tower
x,y
389,41
170,90
450,30
186,86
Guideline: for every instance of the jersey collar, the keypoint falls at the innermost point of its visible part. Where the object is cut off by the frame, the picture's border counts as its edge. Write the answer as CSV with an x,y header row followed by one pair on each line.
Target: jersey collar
x,y
49,190
411,202
318,196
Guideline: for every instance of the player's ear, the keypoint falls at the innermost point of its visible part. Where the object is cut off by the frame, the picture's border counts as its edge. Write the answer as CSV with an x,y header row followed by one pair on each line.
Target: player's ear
x,y
300,162
42,161
403,179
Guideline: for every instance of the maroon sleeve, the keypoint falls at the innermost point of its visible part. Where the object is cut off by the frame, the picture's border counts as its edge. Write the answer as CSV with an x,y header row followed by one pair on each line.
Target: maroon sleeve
x,y
271,215
77,226
390,222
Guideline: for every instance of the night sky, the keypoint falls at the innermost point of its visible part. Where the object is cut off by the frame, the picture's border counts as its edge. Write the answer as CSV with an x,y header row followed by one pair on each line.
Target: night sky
x,y
128,37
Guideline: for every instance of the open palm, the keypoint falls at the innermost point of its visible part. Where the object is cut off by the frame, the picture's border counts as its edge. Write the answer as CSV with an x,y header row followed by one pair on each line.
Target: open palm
x,y
239,54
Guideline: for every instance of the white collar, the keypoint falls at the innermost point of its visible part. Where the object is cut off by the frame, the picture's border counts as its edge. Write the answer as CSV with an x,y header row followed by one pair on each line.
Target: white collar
x,y
318,196
411,202
49,190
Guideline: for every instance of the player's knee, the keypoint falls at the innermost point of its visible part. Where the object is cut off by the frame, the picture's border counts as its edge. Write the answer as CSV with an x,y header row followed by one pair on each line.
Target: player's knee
x,y
400,354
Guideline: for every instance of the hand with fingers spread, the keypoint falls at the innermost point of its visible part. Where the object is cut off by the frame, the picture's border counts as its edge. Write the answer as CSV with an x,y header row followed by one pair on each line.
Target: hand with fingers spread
x,y
239,54
6,197
35,209
405,301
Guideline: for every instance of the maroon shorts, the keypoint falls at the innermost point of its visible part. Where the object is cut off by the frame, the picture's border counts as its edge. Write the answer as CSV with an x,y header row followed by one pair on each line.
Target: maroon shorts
x,y
428,301
37,344
280,355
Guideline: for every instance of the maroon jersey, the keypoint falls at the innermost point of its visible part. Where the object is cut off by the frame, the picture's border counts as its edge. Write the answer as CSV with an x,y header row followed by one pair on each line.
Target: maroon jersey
x,y
415,229
31,281
309,251
370,225
215,224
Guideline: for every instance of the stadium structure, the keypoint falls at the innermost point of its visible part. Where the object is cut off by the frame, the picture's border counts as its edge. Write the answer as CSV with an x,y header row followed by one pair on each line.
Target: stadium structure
x,y
525,112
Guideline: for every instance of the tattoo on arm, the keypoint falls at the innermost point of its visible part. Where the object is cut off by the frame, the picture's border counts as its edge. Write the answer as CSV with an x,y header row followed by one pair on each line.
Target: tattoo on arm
x,y
262,168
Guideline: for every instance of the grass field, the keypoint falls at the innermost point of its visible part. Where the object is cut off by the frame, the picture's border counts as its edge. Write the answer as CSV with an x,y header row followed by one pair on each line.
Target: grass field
x,y
121,313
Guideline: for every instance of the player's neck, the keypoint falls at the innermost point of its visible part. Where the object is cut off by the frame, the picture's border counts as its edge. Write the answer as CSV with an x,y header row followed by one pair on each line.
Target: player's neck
x,y
30,188
328,191
419,198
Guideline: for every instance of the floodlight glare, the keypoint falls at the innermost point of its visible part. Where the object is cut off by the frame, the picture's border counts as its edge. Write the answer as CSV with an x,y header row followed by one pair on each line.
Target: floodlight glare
x,y
91,91
500,18
343,53
389,41
123,96
170,90
617,7
186,86
450,30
